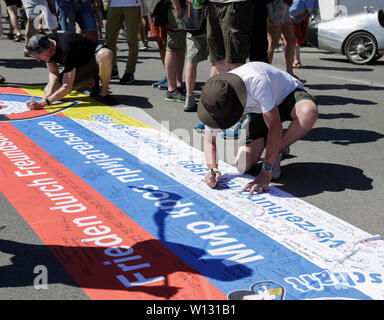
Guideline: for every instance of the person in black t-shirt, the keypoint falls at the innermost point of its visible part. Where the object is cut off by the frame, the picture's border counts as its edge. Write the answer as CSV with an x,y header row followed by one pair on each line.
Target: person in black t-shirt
x,y
85,61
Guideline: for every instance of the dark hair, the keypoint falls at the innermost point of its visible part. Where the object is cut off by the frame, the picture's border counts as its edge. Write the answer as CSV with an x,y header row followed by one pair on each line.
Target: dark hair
x,y
37,44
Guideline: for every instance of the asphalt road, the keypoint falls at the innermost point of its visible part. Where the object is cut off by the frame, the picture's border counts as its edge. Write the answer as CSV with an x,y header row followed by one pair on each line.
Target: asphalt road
x,y
337,167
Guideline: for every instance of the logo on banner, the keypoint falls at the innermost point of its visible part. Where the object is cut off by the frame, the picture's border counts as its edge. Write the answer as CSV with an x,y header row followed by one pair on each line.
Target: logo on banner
x,y
13,107
264,290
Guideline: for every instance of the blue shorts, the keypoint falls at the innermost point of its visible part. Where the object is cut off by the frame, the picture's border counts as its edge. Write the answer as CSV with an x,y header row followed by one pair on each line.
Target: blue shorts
x,y
71,11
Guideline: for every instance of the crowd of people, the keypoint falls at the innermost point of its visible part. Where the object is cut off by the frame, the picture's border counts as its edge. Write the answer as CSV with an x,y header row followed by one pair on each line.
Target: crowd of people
x,y
228,33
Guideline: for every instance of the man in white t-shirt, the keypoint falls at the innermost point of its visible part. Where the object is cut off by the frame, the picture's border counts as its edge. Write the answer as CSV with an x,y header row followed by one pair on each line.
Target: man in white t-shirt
x,y
268,97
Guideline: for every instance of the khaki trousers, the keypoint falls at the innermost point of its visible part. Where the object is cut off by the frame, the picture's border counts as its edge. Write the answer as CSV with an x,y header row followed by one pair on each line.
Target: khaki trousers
x,y
115,18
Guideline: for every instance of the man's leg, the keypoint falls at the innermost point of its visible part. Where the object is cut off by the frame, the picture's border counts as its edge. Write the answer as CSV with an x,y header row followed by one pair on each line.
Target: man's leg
x,y
273,33
132,18
105,60
304,116
290,38
114,23
12,12
248,155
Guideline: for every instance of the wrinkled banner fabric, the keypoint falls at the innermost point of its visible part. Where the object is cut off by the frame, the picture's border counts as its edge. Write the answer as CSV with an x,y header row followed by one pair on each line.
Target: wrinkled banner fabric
x,y
125,209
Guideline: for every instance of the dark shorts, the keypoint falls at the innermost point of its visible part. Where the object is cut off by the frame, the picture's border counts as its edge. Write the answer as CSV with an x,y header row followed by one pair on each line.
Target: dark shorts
x,y
256,127
72,12
90,70
229,30
16,3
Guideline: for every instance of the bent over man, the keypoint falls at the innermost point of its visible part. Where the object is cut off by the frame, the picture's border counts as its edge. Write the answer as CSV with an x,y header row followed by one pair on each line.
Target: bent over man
x,y
85,61
267,97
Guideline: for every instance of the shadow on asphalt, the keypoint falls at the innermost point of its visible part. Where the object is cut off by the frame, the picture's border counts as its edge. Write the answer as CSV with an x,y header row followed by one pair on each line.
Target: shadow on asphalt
x,y
310,178
87,264
342,115
22,63
326,100
347,86
342,136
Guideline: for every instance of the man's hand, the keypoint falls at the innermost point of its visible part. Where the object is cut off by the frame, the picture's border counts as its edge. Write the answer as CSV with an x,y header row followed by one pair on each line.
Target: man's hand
x,y
212,178
35,105
260,184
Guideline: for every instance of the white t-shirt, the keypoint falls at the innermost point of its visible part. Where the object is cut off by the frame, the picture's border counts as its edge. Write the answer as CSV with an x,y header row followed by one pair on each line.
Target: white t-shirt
x,y
266,86
125,3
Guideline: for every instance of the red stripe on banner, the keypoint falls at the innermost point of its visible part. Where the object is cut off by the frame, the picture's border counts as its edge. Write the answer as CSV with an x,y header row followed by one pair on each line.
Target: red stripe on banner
x,y
12,90
105,251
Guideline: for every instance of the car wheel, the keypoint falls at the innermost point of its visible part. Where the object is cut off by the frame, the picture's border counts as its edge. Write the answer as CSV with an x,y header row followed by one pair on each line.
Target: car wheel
x,y
361,48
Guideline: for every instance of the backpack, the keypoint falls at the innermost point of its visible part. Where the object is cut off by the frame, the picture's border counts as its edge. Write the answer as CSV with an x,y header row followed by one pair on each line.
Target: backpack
x,y
194,16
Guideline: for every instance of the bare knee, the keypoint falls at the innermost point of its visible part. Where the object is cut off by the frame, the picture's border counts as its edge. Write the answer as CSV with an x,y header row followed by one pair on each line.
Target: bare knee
x,y
104,56
248,155
307,113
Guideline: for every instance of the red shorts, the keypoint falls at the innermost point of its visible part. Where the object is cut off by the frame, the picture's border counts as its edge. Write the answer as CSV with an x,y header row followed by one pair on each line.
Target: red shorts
x,y
301,30
156,31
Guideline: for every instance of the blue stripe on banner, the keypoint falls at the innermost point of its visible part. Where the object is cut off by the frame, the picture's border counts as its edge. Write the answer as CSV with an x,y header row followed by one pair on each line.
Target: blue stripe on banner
x,y
230,253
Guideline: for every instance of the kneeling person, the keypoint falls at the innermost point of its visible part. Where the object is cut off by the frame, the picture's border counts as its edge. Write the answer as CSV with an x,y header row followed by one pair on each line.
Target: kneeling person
x,y
267,96
85,61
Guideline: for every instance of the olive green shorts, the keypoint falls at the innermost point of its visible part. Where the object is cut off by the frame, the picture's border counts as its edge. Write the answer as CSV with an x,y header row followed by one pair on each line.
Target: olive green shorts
x,y
176,38
229,30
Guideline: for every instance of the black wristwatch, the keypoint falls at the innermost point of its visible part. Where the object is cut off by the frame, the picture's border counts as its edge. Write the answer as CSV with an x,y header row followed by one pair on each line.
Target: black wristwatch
x,y
47,101
267,167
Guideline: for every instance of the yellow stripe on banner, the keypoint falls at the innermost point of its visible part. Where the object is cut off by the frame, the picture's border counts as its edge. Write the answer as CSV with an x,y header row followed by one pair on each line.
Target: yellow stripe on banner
x,y
88,108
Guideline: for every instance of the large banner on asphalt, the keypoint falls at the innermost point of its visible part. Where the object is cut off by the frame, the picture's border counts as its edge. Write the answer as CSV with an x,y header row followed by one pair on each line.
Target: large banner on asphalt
x,y
126,211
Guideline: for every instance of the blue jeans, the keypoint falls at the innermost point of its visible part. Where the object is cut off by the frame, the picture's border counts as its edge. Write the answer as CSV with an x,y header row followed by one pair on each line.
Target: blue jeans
x,y
71,11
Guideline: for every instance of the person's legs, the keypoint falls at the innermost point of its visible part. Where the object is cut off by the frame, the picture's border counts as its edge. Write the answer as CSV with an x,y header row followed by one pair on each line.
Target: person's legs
x,y
66,14
273,33
105,60
248,155
304,115
259,45
12,12
86,19
174,59
114,22
290,38
132,19
29,32
174,65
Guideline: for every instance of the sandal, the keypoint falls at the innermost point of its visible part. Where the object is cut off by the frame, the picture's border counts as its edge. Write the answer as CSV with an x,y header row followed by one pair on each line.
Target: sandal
x,y
19,38
10,36
296,65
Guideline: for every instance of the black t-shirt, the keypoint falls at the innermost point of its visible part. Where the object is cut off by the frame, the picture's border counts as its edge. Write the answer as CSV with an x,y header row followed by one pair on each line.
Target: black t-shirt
x,y
72,50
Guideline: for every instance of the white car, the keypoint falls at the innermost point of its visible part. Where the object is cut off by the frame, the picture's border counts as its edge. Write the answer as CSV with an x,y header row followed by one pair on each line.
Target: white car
x,y
360,36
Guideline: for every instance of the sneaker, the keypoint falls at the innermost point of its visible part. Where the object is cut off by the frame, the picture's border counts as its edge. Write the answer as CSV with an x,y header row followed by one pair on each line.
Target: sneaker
x,y
200,127
190,103
127,78
157,83
163,85
108,100
175,96
233,133
143,45
115,75
276,171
